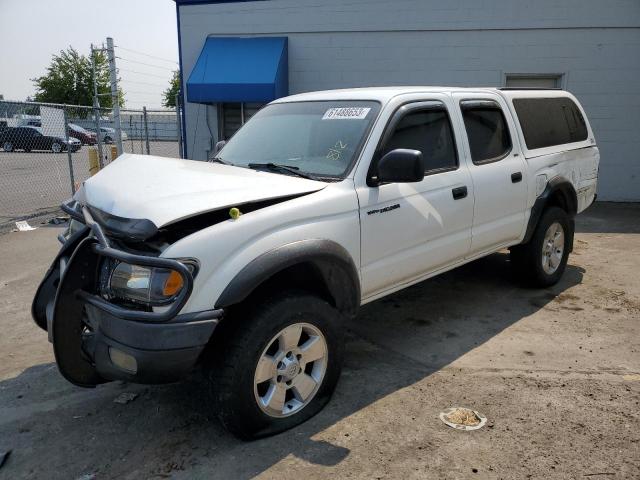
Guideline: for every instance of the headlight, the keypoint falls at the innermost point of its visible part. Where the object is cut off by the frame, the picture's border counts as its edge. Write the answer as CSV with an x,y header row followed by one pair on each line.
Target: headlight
x,y
145,285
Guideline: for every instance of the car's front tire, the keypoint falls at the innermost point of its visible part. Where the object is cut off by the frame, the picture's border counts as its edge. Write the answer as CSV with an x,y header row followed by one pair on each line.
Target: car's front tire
x,y
276,365
56,147
542,261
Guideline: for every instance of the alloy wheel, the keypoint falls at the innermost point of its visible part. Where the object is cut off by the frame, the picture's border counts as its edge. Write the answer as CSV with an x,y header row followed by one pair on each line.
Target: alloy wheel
x,y
290,370
552,248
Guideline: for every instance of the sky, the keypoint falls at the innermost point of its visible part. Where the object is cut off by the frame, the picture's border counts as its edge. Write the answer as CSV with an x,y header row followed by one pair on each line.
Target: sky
x,y
32,30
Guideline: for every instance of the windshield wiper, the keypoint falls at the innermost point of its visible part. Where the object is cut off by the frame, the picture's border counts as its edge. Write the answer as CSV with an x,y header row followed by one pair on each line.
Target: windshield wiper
x,y
282,168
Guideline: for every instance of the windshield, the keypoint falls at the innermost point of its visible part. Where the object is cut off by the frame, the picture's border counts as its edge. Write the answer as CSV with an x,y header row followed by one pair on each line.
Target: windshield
x,y
317,138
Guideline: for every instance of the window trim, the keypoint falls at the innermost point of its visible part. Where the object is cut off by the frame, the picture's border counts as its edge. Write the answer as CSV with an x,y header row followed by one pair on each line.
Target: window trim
x,y
499,107
398,114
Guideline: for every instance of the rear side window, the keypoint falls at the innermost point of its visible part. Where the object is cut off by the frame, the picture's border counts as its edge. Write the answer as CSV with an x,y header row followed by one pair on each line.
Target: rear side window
x,y
428,131
487,130
546,122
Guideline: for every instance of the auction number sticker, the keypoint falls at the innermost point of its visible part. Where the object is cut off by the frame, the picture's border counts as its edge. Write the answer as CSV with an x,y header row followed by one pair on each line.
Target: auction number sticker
x,y
346,113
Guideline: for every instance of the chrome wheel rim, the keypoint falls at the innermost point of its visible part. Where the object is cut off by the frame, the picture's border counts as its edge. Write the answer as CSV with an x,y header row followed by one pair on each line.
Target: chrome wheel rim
x,y
7,147
56,148
290,370
552,248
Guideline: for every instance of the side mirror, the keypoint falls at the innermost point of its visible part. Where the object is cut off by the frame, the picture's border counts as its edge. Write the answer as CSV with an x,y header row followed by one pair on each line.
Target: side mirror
x,y
401,166
219,146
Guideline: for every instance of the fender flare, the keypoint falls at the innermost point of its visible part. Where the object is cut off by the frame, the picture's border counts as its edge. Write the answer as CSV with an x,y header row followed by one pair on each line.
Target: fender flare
x,y
556,187
330,260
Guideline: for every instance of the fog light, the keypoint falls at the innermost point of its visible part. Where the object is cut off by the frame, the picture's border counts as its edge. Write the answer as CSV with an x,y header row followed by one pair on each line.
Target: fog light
x,y
123,360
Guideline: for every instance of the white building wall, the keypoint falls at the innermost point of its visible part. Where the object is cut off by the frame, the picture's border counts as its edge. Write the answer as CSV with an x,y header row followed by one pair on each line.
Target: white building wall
x,y
338,44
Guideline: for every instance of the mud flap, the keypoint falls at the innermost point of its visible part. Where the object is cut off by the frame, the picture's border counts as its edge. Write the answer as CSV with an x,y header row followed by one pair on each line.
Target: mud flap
x,y
68,322
46,293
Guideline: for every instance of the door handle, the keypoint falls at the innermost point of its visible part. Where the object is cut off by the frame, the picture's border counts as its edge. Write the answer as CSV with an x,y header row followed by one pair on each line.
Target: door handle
x,y
459,192
516,177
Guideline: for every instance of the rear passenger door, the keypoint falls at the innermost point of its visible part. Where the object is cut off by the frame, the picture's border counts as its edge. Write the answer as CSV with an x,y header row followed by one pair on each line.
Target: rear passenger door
x,y
498,171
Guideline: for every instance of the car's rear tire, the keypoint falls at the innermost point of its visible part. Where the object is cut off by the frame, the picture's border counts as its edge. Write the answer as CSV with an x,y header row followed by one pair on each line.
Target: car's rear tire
x,y
542,261
7,146
276,365
56,147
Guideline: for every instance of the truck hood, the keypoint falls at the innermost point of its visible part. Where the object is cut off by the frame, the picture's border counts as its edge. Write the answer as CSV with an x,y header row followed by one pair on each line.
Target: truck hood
x,y
165,190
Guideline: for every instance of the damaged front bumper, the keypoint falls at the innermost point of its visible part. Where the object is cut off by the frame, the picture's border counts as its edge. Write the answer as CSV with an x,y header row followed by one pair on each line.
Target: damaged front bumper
x,y
94,340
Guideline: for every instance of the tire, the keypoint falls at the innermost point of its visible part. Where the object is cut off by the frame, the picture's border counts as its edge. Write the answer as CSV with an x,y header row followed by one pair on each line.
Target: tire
x,y
56,147
7,146
108,139
542,261
248,399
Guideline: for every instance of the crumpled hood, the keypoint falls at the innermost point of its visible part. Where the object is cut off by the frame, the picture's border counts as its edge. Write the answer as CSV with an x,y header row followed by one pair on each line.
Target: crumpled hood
x,y
165,190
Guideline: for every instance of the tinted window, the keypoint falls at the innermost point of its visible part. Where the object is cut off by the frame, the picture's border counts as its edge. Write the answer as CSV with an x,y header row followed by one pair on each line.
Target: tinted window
x,y
428,131
546,122
487,130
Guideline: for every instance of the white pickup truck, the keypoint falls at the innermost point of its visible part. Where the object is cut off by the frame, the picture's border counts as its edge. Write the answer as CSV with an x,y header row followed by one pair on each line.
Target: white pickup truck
x,y
249,264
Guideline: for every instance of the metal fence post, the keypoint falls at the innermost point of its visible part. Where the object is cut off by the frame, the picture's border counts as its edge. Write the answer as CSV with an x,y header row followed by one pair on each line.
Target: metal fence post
x,y
146,129
69,157
179,125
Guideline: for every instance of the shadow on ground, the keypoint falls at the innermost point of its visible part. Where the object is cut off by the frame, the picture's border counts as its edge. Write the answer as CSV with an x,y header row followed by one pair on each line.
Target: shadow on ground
x,y
58,430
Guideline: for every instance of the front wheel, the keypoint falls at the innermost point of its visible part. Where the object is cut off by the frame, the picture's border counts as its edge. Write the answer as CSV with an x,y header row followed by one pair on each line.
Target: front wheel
x,y
542,261
277,366
56,147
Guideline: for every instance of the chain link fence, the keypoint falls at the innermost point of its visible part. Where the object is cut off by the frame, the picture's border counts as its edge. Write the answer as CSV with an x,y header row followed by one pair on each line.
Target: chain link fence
x,y
47,151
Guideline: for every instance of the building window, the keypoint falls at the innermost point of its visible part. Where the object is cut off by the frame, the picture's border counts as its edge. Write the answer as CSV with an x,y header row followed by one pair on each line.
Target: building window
x,y
234,115
518,80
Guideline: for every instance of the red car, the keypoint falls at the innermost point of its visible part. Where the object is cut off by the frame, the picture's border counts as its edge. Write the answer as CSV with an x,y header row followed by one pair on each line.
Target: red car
x,y
82,134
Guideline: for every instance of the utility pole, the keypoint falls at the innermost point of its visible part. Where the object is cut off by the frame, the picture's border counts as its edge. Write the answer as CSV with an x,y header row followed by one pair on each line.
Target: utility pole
x,y
114,94
96,107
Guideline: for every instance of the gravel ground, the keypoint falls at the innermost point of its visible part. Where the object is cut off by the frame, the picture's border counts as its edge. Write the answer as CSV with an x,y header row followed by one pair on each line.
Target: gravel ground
x,y
556,371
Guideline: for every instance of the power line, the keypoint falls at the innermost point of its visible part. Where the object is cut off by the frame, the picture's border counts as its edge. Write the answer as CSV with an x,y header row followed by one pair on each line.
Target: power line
x,y
147,55
145,64
142,73
143,83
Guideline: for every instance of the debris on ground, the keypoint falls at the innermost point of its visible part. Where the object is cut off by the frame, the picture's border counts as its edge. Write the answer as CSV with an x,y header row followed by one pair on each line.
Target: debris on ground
x,y
125,398
3,457
23,226
463,418
58,220
87,476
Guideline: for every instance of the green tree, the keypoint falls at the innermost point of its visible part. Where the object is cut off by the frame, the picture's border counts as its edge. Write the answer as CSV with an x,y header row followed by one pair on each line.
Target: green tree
x,y
169,95
68,80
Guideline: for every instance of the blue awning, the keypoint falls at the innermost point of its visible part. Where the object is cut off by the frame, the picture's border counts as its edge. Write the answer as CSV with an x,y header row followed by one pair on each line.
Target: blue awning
x,y
233,69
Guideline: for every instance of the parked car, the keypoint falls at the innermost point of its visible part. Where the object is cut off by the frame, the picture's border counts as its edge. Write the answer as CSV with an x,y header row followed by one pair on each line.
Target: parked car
x,y
85,136
321,202
108,135
31,138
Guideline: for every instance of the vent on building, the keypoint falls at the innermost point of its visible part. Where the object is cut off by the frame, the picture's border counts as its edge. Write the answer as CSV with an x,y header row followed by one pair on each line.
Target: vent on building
x,y
533,81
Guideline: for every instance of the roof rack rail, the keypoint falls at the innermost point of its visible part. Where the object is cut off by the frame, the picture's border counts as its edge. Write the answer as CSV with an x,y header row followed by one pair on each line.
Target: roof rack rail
x,y
529,88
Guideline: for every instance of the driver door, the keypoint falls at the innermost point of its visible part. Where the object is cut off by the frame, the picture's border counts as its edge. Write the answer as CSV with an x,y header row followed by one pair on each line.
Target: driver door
x,y
411,230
